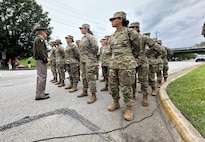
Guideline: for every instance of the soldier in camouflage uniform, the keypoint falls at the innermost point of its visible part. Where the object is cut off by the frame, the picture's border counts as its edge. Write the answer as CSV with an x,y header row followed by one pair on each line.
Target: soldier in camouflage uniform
x,y
152,54
72,61
53,62
168,54
122,63
78,47
203,30
88,61
60,55
106,54
101,50
160,64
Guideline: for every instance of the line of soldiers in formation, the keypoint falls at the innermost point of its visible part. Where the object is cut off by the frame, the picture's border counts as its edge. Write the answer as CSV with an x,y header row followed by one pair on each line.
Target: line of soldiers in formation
x,y
125,54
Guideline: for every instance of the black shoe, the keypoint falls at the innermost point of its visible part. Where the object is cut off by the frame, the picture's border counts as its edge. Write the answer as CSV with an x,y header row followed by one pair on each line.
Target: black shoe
x,y
46,94
46,97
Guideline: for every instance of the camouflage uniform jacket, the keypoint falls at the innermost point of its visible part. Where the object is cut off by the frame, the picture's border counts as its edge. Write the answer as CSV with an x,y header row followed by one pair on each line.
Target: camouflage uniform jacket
x,y
71,54
88,49
60,54
163,56
153,50
106,54
53,54
121,49
39,49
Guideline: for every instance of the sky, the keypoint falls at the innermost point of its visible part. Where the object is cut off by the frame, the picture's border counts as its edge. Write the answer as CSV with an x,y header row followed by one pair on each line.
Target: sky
x,y
178,23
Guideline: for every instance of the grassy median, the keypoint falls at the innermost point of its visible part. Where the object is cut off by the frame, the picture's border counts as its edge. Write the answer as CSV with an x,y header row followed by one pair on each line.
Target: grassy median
x,y
188,95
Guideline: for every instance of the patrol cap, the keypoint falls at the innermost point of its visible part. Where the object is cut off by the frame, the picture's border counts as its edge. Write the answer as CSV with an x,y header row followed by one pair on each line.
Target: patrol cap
x,y
106,37
154,39
77,41
58,40
87,26
147,34
119,14
70,36
40,29
134,24
159,41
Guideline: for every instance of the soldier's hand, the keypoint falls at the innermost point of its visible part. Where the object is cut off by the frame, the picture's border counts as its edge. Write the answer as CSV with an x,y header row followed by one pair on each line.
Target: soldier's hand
x,y
47,64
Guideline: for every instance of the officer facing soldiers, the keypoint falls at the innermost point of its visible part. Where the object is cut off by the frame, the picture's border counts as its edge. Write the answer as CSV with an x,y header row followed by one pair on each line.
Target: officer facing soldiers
x,y
122,63
72,61
143,69
40,56
53,61
88,61
106,54
60,55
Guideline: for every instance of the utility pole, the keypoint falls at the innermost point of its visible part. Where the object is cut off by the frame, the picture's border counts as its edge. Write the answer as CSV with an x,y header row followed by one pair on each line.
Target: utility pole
x,y
156,33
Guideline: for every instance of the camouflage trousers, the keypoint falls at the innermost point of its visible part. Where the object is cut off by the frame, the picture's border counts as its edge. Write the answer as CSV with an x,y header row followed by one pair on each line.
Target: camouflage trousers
x,y
61,72
105,71
97,71
73,73
151,75
143,79
159,70
165,70
88,72
124,79
53,68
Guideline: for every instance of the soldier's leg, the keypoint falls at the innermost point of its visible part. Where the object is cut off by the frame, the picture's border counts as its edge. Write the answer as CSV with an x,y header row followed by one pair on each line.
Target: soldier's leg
x,y
103,73
90,73
134,85
58,70
143,72
84,80
113,84
159,74
126,79
105,68
165,71
152,83
75,77
62,74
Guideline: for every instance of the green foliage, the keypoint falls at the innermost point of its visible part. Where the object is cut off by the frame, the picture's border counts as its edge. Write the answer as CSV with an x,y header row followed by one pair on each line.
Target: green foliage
x,y
185,56
18,20
24,62
188,95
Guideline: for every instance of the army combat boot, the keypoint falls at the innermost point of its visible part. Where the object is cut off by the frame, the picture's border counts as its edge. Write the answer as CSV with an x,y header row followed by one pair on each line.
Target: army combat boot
x,y
105,88
154,92
134,96
159,84
145,101
52,80
55,80
103,80
84,93
165,79
114,106
74,88
92,99
69,86
61,84
128,115
57,83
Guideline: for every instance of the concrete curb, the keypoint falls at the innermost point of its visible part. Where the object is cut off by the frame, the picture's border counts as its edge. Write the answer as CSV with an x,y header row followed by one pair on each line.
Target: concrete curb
x,y
185,129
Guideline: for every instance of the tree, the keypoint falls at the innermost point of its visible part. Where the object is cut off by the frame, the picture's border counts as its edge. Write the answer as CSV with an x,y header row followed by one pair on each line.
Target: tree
x,y
18,20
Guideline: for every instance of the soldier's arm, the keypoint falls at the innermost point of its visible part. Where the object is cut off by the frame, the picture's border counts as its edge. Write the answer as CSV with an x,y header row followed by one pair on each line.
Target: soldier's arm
x,y
76,53
136,42
153,46
94,44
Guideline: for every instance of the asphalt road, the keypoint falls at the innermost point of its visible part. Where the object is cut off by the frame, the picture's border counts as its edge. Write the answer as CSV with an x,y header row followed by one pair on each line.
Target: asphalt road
x,y
64,117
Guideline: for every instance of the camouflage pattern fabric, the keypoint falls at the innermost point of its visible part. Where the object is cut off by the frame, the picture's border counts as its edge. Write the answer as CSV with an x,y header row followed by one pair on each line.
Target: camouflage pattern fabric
x,y
203,30
122,64
88,59
74,75
106,55
60,55
105,70
53,61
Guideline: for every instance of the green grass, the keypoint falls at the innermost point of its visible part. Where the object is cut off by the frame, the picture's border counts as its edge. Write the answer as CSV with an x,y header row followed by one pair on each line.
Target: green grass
x,y
24,62
188,95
